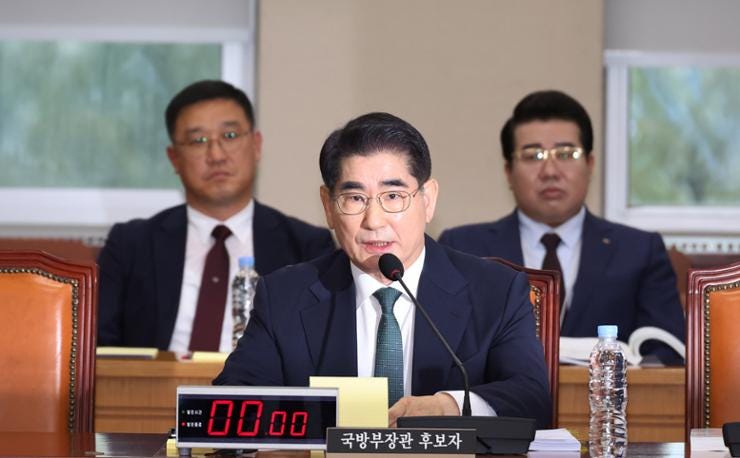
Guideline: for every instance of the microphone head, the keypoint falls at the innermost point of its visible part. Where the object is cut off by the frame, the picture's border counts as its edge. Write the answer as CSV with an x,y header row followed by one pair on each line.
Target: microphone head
x,y
390,266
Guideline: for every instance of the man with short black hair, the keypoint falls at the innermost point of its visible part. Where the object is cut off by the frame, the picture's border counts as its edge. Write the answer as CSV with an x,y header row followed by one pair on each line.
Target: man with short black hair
x,y
612,274
339,316
165,281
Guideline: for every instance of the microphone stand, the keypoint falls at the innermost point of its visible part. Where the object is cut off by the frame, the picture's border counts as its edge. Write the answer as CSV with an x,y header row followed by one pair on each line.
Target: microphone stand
x,y
466,411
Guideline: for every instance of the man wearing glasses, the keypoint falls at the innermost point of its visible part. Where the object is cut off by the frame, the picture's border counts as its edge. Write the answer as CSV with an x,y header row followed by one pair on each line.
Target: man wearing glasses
x,y
165,281
338,315
611,273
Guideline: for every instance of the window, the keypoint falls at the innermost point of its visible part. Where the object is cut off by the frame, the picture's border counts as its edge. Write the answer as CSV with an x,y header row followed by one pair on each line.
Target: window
x,y
671,141
82,134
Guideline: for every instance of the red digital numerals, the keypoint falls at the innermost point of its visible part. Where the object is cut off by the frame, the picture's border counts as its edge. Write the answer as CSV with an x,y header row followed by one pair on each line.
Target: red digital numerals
x,y
250,417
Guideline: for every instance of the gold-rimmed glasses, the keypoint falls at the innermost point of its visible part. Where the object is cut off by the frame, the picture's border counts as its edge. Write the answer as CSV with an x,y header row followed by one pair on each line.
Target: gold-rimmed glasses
x,y
354,203
562,154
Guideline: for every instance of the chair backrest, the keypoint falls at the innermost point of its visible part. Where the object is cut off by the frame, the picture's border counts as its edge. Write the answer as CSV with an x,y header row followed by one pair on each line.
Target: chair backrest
x,y
681,264
47,335
69,249
545,297
713,347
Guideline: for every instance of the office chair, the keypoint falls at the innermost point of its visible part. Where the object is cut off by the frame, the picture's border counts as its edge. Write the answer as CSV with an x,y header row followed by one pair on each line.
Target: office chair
x,y
713,347
545,297
47,336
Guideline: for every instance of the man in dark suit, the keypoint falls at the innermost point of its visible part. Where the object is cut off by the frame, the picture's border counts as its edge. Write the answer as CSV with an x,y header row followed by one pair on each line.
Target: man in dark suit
x,y
333,315
151,270
613,274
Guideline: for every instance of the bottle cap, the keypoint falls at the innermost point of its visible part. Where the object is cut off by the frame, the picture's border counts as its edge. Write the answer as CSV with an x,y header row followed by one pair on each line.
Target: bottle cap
x,y
607,330
246,261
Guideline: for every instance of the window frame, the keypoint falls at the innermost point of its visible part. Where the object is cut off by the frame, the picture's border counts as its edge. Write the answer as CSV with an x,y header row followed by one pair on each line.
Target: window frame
x,y
89,212
689,219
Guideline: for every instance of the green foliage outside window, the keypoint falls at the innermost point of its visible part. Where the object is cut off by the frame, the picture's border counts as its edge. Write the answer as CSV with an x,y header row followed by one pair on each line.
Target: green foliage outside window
x,y
91,115
684,136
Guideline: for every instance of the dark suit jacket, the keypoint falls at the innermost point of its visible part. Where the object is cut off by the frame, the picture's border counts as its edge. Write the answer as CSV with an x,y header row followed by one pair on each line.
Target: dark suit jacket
x,y
304,323
625,277
141,268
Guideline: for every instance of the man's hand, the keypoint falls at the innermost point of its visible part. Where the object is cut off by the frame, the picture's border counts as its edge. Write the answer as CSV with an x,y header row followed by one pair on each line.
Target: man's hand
x,y
416,406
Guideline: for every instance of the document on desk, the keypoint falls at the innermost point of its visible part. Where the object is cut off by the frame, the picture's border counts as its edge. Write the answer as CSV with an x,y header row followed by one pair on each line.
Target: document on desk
x,y
126,352
554,440
708,442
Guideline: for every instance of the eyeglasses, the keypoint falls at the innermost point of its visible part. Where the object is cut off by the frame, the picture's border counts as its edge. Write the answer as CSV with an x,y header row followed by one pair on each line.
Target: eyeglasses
x,y
229,141
354,203
562,154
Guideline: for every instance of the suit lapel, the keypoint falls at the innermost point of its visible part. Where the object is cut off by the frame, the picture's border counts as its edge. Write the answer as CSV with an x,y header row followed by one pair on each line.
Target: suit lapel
x,y
330,322
596,253
169,260
442,293
505,241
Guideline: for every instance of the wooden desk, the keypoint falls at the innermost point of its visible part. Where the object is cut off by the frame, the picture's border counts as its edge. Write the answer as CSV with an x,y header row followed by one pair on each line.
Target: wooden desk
x,y
139,396
655,403
81,444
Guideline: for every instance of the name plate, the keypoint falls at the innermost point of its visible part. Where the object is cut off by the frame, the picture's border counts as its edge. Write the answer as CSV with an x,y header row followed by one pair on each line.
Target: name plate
x,y
401,441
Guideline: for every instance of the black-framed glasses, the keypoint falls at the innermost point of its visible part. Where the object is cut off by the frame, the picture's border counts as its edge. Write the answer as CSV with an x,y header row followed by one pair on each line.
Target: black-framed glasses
x,y
229,141
354,203
562,154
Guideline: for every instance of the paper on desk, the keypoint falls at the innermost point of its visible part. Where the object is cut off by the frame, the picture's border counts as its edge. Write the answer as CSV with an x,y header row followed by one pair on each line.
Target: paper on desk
x,y
363,401
554,440
707,440
209,357
126,352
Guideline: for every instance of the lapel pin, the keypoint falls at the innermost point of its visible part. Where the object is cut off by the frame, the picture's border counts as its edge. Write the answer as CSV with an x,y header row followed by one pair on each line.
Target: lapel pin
x,y
606,241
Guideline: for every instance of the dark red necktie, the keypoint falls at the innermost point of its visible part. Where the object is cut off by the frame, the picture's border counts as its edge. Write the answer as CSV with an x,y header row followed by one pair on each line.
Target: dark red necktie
x,y
551,261
209,314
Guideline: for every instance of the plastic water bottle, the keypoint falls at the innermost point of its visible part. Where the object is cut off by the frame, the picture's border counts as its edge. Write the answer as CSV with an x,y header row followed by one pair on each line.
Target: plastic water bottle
x,y
607,388
242,294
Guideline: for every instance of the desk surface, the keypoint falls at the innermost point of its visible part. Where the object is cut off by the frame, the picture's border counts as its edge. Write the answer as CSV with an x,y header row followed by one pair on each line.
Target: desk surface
x,y
154,445
82,444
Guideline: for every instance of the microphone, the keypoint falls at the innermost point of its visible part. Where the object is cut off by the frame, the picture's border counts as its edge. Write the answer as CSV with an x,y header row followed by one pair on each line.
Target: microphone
x,y
392,268
495,435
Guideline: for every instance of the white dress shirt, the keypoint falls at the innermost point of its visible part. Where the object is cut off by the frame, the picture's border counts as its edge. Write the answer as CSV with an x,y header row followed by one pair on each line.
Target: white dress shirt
x,y
368,320
569,249
199,242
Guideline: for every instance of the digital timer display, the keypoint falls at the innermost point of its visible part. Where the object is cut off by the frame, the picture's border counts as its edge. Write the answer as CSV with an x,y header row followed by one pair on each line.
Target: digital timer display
x,y
255,417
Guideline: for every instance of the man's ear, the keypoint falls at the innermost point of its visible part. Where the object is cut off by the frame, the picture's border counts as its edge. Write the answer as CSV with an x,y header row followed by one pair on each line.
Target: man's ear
x,y
174,159
431,191
257,145
327,202
590,161
507,172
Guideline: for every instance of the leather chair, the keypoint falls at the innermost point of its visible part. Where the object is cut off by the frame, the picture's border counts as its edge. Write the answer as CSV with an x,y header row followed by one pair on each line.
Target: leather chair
x,y
47,335
69,249
545,297
713,347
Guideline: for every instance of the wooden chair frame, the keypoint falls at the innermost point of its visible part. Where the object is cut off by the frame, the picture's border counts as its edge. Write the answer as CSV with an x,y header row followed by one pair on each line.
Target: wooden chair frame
x,y
545,295
702,282
83,278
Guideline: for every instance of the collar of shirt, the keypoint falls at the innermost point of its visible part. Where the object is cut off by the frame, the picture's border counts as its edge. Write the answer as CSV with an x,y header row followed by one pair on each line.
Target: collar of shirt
x,y
366,285
240,223
531,231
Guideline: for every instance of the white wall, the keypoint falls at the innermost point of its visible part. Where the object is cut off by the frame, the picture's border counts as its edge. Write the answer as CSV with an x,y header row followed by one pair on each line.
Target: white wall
x,y
454,69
